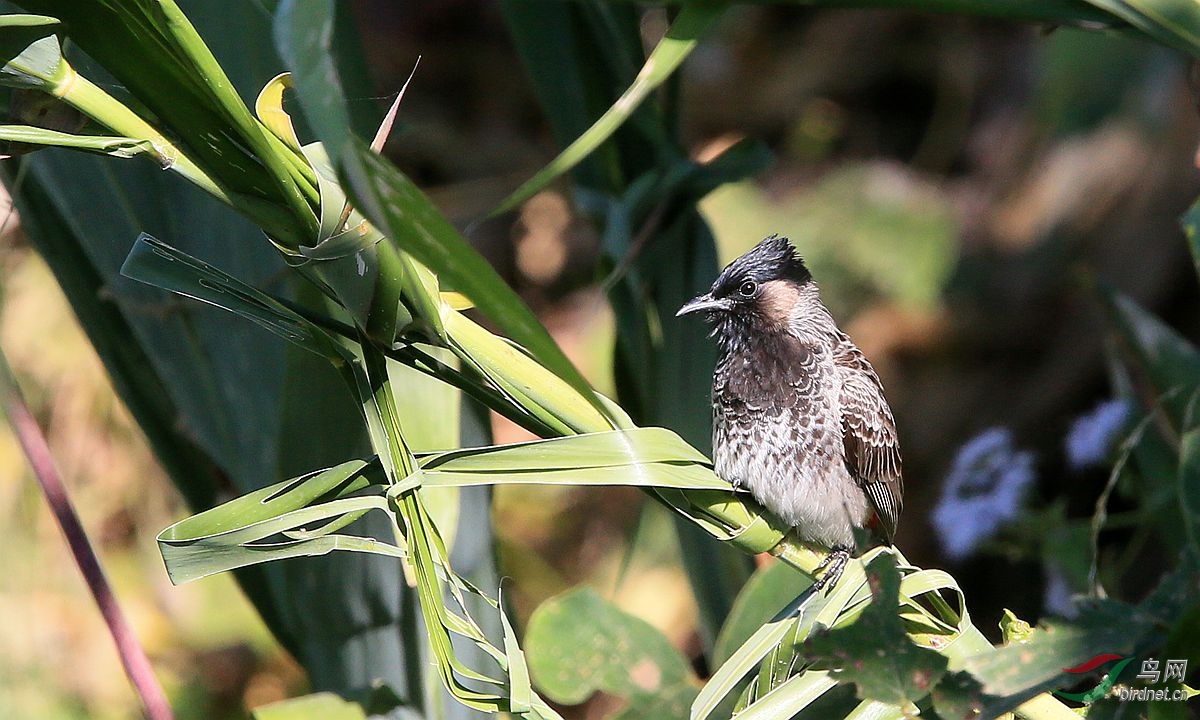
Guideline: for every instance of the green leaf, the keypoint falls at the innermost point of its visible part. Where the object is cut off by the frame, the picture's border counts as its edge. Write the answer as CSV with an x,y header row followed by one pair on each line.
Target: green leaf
x,y
579,643
1190,222
269,109
280,521
304,33
874,652
154,51
101,144
1161,357
318,706
1013,628
693,21
576,452
394,203
156,263
1009,675
1189,488
790,697
31,52
790,627
1175,23
767,592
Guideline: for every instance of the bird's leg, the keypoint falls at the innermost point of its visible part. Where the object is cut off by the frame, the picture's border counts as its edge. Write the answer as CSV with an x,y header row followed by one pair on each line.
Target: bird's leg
x,y
833,565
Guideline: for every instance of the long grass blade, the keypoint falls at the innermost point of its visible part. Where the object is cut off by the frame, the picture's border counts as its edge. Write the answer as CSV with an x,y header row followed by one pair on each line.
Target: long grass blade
x,y
693,23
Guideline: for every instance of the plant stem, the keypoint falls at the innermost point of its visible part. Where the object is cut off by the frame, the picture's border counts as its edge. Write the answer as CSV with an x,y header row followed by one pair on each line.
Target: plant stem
x,y
91,100
33,443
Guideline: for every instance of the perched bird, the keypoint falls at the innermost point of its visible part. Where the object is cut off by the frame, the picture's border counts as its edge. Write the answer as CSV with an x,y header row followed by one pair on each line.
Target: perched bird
x,y
799,417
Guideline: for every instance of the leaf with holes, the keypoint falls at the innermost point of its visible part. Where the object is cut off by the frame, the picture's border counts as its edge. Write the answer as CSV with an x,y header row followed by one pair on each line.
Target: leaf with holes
x,y
874,652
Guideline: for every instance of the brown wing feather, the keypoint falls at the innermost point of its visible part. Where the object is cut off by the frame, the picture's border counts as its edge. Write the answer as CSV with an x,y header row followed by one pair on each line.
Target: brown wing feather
x,y
869,435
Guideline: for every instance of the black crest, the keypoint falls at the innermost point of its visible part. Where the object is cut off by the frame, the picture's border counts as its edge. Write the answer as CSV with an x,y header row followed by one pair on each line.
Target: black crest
x,y
772,259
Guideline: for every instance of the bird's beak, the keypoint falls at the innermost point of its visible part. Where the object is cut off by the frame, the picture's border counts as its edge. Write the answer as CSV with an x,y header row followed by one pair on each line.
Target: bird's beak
x,y
703,303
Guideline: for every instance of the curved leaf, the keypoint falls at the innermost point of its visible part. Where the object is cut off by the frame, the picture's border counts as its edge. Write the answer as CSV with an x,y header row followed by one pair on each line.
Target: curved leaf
x,y
693,22
101,144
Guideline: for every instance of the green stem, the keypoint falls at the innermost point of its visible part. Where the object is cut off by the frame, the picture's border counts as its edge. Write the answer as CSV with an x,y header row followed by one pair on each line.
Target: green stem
x,y
260,139
85,96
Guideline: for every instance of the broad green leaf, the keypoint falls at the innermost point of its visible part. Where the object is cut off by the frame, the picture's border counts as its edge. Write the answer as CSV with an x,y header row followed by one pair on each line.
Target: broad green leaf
x,y
304,32
874,652
661,475
1012,674
579,643
693,21
243,531
318,706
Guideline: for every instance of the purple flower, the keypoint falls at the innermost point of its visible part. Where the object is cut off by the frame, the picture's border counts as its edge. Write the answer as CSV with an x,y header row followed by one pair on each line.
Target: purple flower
x,y
1092,436
1058,595
982,492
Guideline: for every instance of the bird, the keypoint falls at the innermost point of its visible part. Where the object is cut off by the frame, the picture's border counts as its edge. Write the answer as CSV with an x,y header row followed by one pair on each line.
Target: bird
x,y
799,415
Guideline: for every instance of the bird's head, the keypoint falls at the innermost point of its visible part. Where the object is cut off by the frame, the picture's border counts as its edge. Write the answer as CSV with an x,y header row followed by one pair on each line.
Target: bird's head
x,y
757,291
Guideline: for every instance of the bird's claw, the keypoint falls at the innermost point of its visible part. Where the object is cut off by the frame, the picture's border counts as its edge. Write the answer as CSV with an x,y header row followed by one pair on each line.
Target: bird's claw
x,y
833,565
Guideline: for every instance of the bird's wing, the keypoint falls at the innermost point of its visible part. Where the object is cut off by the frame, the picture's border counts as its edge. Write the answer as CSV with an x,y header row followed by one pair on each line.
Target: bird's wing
x,y
869,435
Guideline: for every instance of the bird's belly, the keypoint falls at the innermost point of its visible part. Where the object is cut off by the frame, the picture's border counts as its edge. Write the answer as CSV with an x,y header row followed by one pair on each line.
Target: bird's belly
x,y
806,484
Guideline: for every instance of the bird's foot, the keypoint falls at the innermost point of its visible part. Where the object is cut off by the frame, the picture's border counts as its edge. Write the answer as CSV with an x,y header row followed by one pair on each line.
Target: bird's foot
x,y
833,565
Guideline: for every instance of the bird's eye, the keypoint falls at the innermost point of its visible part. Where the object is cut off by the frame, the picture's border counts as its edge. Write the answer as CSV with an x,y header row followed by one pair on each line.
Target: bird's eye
x,y
748,288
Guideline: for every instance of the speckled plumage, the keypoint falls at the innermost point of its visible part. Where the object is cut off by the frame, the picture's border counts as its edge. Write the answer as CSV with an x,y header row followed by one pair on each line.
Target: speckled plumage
x,y
799,416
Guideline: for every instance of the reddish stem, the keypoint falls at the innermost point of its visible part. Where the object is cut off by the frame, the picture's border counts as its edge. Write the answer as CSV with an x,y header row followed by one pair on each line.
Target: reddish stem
x,y
133,657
